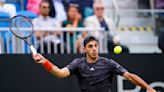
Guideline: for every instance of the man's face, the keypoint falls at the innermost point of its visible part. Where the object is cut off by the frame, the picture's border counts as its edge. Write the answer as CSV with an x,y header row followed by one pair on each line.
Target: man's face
x,y
44,9
91,49
98,10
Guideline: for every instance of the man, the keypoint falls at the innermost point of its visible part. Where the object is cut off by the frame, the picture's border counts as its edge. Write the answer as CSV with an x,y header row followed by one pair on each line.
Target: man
x,y
94,73
100,20
44,20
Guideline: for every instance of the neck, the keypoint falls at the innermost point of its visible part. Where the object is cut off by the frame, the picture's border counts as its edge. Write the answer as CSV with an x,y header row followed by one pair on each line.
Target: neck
x,y
100,17
91,60
44,16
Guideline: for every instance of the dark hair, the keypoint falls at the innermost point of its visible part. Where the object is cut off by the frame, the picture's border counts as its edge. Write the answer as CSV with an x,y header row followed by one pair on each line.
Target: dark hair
x,y
44,1
75,6
88,39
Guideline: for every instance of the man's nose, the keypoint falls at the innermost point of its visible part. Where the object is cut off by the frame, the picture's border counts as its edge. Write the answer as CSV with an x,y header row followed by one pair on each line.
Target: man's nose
x,y
94,48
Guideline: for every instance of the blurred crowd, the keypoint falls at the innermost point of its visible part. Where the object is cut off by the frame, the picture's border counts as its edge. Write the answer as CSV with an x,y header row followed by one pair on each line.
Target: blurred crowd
x,y
75,14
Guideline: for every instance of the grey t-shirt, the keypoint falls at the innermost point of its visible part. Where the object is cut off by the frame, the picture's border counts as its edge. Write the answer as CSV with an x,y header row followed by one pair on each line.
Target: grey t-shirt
x,y
95,77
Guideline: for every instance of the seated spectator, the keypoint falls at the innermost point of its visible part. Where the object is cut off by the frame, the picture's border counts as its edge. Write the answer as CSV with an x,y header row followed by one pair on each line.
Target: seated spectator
x,y
100,20
58,9
7,8
73,20
44,20
33,6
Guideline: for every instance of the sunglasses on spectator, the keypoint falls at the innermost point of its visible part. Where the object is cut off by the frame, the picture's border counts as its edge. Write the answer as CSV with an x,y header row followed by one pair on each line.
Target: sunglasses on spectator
x,y
99,8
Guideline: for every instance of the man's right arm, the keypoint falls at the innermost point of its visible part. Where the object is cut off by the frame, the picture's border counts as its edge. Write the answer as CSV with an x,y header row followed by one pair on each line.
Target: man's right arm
x,y
60,73
53,69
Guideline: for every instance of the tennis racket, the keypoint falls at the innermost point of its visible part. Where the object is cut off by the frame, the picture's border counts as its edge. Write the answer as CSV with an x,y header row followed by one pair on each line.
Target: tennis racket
x,y
19,22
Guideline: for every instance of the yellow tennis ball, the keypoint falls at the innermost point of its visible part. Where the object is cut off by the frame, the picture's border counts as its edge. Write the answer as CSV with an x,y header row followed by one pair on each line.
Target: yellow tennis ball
x,y
117,49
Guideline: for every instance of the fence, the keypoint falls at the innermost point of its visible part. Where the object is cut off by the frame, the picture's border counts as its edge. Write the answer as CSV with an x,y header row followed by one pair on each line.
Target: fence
x,y
64,42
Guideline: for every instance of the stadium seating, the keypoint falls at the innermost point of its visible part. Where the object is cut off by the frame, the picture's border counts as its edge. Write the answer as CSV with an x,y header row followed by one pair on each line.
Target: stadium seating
x,y
17,5
88,12
29,14
4,20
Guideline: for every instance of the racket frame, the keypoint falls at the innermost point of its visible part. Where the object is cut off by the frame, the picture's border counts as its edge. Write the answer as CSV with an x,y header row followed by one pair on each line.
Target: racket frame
x,y
24,38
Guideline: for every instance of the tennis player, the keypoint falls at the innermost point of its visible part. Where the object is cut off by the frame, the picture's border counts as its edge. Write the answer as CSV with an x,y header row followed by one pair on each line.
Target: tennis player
x,y
95,73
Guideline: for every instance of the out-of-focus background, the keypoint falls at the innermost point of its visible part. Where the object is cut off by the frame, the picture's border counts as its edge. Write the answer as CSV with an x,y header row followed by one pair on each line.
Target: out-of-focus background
x,y
61,25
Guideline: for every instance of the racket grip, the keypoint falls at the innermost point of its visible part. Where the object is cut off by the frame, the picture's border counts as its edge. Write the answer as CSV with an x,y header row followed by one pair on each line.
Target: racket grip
x,y
33,50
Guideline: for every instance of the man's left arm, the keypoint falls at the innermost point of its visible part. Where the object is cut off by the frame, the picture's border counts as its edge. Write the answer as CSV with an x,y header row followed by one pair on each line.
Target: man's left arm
x,y
138,81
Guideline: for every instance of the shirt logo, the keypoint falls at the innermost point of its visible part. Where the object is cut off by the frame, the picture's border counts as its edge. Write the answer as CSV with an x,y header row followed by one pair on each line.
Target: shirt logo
x,y
92,69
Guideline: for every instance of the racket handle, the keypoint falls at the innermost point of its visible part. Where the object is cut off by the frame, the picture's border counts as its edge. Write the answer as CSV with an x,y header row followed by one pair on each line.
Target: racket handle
x,y
33,50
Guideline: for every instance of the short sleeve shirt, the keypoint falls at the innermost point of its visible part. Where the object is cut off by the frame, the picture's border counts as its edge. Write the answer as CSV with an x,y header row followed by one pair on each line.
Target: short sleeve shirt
x,y
96,77
48,22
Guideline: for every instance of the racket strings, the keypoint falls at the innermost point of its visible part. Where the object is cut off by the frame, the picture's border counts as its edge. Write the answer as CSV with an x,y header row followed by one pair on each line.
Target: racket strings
x,y
21,27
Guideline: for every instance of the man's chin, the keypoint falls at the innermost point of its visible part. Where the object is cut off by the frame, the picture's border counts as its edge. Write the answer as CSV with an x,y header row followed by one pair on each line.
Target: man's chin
x,y
94,57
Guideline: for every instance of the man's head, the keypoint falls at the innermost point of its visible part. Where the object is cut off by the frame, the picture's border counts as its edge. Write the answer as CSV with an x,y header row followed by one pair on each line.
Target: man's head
x,y
98,9
44,8
91,47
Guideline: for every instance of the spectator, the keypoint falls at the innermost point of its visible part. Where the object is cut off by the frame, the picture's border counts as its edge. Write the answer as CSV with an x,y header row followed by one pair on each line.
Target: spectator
x,y
33,6
44,20
100,20
7,8
58,9
74,20
161,41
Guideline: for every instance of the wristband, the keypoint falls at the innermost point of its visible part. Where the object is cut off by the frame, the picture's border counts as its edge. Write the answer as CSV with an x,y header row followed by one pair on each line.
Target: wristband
x,y
48,65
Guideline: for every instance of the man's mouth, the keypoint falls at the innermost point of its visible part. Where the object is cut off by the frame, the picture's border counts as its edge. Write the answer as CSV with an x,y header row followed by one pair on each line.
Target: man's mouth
x,y
94,53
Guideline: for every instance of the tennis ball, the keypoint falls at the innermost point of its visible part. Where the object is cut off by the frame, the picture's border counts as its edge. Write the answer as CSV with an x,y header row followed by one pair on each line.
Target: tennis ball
x,y
117,49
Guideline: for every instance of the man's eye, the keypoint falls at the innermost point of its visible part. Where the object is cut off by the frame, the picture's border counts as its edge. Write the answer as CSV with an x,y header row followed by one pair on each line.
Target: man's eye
x,y
90,46
96,45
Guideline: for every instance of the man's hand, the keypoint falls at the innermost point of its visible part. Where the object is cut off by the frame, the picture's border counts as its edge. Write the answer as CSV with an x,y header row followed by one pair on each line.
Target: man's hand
x,y
39,58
